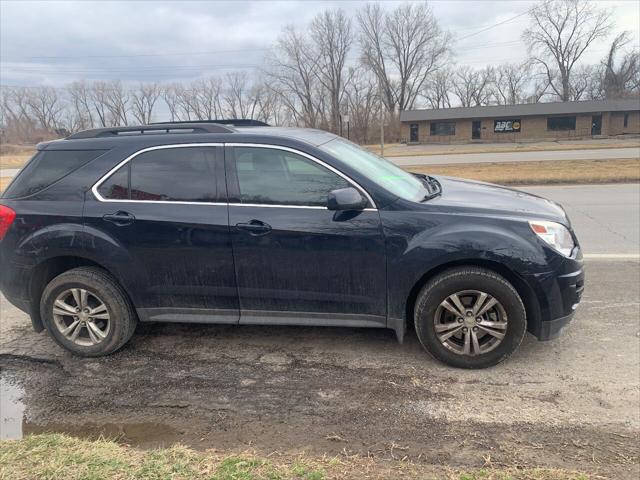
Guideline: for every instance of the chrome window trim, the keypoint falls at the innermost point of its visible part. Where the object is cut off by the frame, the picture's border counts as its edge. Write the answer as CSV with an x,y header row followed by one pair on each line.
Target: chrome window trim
x,y
313,159
100,198
102,179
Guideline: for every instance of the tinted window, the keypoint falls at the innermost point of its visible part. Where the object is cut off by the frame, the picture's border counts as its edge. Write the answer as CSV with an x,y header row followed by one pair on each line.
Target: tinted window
x,y
270,176
443,128
561,123
47,167
116,187
174,174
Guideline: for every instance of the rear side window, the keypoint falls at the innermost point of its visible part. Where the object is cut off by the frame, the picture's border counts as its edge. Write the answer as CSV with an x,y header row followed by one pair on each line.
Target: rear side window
x,y
47,167
184,174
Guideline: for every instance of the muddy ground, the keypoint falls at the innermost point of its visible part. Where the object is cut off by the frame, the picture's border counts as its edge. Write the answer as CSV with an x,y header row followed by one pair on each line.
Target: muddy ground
x,y
571,403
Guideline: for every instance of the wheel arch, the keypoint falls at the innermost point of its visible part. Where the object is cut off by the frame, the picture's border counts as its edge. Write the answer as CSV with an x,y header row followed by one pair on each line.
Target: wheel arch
x,y
527,294
47,270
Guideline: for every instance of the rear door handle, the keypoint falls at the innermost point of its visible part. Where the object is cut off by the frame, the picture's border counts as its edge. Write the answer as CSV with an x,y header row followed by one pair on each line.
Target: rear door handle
x,y
119,218
254,227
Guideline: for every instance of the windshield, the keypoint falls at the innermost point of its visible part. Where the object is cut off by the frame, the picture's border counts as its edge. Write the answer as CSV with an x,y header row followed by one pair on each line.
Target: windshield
x,y
378,169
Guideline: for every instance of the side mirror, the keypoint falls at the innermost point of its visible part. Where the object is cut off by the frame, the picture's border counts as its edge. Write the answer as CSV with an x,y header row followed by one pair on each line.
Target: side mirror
x,y
346,199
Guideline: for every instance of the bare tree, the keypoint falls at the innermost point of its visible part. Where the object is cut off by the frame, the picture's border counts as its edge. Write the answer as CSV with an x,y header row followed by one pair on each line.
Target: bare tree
x,y
236,95
170,97
402,48
80,101
204,98
621,79
293,75
511,80
560,33
46,106
17,123
143,101
473,87
333,36
110,102
438,88
363,104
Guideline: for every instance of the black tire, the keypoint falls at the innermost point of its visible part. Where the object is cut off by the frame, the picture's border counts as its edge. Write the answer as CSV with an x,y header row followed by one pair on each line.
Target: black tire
x,y
122,316
469,278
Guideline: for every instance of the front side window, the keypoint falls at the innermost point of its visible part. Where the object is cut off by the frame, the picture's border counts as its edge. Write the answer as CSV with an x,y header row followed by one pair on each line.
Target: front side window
x,y
561,123
278,177
183,174
443,128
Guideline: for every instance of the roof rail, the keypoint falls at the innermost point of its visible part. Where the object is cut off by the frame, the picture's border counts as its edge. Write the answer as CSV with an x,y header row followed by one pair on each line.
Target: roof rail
x,y
237,122
172,127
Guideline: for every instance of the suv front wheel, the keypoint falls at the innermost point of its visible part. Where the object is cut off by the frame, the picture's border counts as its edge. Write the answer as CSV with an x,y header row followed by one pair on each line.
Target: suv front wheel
x,y
470,317
87,312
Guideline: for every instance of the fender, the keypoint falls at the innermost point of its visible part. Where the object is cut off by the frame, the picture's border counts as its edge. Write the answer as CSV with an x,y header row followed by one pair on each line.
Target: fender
x,y
105,250
421,244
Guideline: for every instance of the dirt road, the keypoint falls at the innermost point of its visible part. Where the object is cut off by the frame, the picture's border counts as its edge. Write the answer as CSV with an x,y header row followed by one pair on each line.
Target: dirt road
x,y
571,403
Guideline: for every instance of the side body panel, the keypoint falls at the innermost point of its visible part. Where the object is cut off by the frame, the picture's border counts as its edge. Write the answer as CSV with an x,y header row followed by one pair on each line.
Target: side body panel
x,y
174,259
313,266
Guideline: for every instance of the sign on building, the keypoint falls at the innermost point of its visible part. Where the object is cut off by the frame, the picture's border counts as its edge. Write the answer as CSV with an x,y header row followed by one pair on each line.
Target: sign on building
x,y
506,126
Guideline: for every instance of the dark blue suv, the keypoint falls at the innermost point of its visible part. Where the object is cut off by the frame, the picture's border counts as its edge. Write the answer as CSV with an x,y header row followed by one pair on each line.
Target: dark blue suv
x,y
215,223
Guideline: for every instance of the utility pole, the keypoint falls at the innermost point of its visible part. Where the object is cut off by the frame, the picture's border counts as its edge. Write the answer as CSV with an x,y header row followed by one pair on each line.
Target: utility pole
x,y
345,119
381,123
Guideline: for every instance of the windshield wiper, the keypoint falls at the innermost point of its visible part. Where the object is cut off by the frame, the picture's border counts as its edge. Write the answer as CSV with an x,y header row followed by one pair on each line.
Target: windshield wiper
x,y
433,187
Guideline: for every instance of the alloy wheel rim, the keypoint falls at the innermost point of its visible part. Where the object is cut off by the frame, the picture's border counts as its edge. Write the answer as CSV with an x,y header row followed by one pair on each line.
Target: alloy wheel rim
x,y
470,322
81,317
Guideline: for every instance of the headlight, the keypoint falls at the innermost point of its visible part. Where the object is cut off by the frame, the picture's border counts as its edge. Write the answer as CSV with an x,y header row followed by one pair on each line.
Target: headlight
x,y
555,234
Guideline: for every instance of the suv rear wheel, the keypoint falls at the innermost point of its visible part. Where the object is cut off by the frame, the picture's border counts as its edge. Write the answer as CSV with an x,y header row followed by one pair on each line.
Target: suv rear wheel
x,y
87,312
470,317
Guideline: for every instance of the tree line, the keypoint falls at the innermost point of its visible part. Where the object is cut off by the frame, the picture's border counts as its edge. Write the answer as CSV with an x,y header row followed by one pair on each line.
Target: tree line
x,y
369,66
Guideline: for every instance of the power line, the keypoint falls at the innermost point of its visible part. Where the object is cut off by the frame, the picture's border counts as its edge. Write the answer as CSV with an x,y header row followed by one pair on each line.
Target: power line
x,y
53,69
495,25
214,52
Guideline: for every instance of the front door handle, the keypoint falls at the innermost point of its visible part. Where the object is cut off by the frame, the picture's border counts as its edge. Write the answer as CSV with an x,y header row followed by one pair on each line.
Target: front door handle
x,y
119,218
255,227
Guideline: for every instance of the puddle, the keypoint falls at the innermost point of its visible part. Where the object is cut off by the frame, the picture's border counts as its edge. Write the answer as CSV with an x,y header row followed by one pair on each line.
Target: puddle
x,y
11,410
142,435
14,425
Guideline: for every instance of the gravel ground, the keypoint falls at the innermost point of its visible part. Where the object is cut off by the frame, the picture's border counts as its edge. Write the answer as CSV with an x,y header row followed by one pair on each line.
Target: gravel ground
x,y
571,403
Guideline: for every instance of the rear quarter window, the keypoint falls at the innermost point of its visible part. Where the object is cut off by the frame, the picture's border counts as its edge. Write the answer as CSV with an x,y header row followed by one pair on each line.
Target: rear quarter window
x,y
47,167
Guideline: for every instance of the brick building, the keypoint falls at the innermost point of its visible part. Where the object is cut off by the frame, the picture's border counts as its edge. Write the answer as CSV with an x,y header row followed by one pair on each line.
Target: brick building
x,y
513,123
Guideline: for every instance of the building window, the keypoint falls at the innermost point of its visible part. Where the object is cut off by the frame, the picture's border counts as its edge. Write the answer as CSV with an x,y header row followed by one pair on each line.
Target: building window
x,y
443,128
561,123
626,120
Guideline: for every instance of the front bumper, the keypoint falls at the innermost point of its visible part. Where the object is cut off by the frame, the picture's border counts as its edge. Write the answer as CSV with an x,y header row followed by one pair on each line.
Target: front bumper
x,y
552,329
558,294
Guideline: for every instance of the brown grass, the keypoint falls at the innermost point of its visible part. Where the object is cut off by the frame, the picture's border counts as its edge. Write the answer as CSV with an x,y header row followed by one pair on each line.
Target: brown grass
x,y
544,172
15,160
4,181
402,150
59,456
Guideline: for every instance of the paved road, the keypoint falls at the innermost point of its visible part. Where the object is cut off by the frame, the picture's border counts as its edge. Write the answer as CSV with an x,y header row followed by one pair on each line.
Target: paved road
x,y
606,218
594,154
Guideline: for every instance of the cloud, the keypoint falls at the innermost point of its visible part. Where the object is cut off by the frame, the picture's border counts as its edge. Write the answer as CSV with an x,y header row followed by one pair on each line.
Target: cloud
x,y
48,42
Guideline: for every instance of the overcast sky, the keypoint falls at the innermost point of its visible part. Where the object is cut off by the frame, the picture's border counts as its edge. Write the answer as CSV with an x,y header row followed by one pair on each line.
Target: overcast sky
x,y
55,42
